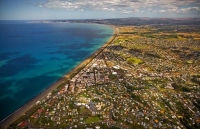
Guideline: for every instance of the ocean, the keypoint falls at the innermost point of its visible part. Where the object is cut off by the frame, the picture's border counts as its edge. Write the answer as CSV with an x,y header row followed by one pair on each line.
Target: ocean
x,y
35,55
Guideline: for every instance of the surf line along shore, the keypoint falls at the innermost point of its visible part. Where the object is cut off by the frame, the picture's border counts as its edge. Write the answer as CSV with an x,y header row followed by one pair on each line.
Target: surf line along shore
x,y
14,116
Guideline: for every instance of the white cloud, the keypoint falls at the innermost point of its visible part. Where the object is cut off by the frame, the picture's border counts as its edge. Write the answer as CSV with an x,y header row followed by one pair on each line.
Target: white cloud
x,y
136,10
125,11
162,11
108,9
190,9
123,6
181,10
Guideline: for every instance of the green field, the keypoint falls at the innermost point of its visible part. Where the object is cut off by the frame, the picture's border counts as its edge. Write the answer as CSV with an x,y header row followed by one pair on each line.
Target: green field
x,y
134,60
92,119
82,109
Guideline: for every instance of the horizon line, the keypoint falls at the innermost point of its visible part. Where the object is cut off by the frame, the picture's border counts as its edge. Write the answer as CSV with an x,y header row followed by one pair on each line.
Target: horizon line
x,y
101,18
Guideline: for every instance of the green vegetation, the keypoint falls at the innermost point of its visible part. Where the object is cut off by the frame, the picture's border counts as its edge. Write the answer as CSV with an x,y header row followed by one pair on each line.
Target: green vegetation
x,y
197,104
178,87
196,79
190,61
130,33
82,109
136,97
92,119
112,77
84,94
155,55
134,60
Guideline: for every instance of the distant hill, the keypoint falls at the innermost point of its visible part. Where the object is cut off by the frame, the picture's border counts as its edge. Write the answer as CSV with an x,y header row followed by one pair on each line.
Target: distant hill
x,y
134,21
141,21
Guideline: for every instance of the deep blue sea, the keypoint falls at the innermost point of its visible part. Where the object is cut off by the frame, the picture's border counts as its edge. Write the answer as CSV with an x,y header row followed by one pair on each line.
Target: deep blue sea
x,y
33,56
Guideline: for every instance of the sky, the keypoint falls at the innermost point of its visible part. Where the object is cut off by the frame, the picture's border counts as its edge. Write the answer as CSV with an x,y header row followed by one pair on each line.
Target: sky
x,y
96,9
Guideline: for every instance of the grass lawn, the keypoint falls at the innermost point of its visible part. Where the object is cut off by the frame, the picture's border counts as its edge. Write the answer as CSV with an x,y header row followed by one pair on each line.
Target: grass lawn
x,y
134,60
82,109
190,62
92,119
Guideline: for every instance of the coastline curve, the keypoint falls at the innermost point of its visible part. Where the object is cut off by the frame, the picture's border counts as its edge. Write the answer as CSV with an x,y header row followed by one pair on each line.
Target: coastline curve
x,y
19,112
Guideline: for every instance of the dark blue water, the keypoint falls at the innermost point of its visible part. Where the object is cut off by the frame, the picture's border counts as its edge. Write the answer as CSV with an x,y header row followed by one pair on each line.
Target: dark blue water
x,y
33,56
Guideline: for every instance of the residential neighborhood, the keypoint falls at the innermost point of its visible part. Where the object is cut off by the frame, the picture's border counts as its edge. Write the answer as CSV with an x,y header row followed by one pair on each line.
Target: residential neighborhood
x,y
135,82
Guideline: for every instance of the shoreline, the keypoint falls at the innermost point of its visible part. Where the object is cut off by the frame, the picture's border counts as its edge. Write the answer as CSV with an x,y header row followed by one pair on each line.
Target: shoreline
x,y
19,112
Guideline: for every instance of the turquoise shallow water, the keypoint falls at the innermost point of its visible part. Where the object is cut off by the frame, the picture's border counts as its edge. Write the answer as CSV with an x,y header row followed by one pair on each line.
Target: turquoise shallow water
x,y
33,56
